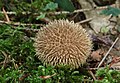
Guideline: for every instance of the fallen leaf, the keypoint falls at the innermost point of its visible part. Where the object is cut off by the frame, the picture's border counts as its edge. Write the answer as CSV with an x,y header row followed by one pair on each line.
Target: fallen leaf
x,y
116,59
115,64
96,55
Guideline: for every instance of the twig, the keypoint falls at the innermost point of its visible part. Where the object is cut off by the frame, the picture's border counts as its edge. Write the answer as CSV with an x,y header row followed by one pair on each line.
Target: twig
x,y
65,12
29,29
108,52
109,17
48,76
91,73
18,23
61,12
87,81
86,20
90,69
5,13
15,65
74,16
49,13
6,60
23,24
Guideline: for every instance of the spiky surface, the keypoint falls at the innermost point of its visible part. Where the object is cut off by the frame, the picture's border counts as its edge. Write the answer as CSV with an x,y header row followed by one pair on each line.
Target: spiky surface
x,y
63,42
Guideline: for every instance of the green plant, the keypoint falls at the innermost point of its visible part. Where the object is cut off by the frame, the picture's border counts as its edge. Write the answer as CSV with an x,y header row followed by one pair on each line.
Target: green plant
x,y
108,76
62,75
18,47
111,10
66,5
15,43
23,66
51,6
32,10
9,75
104,30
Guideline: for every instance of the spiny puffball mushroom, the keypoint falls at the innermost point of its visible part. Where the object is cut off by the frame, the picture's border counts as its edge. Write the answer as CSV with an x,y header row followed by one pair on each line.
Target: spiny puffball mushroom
x,y
63,42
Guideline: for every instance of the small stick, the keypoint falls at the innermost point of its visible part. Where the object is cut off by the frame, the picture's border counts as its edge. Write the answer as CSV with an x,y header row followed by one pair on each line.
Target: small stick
x,y
23,24
92,69
91,73
7,58
84,21
108,52
18,23
15,65
50,13
61,12
5,13
48,76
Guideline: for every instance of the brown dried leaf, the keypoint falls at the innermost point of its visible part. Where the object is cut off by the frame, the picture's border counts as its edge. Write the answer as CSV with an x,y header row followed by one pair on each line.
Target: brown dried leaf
x,y
115,64
96,55
116,59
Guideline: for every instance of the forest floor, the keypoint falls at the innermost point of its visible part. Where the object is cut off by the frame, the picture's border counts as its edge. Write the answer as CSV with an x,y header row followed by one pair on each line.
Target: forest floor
x,y
20,20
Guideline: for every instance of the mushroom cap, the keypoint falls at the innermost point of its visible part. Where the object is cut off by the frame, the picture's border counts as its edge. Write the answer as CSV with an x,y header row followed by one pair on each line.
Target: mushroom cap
x,y
62,42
